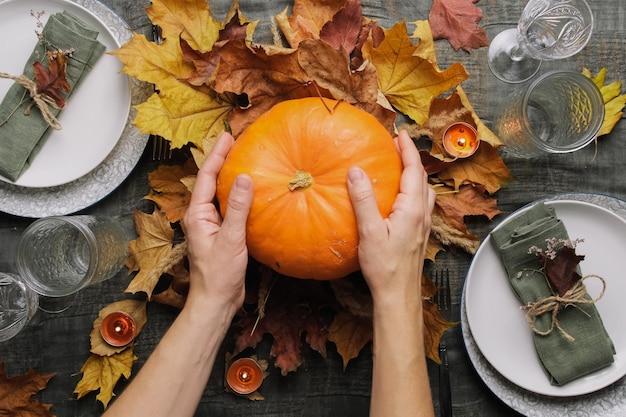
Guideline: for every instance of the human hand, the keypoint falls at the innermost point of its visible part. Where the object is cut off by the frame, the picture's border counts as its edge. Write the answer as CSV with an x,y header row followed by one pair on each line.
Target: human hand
x,y
217,250
391,251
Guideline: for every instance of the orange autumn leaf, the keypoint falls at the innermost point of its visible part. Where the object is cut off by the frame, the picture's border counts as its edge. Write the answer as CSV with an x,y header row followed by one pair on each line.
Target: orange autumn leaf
x,y
101,373
168,191
408,81
16,394
149,251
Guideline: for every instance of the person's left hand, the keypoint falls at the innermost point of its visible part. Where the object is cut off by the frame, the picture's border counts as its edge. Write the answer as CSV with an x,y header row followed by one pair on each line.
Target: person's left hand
x,y
217,253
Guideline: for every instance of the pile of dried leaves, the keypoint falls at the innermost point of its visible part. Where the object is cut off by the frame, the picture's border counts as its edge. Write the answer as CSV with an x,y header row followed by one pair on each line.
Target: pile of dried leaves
x,y
211,76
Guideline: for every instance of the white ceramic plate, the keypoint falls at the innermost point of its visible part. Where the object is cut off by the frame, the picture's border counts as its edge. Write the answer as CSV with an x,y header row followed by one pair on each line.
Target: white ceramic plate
x,y
499,328
96,113
113,170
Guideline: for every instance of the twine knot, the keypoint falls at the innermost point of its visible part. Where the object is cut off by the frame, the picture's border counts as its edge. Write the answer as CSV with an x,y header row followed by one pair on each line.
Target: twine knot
x,y
554,304
42,101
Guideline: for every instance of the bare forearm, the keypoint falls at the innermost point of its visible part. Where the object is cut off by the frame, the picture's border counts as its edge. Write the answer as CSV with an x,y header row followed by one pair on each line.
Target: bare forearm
x,y
173,379
400,384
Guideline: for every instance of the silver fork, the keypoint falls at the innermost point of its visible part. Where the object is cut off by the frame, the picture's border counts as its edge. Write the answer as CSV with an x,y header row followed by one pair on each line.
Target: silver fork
x,y
444,305
160,146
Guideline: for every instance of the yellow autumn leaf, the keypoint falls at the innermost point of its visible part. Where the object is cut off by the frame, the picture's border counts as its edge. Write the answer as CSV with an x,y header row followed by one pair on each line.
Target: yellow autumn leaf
x,y
190,19
484,133
153,63
408,81
182,114
426,47
103,372
135,308
153,246
613,102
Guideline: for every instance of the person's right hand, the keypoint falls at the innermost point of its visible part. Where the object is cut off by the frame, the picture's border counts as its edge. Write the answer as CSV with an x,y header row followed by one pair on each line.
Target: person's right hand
x,y
391,250
218,255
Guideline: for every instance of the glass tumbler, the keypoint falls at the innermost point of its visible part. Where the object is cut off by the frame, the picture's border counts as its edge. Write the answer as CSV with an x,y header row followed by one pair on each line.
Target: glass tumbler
x,y
57,256
18,304
560,112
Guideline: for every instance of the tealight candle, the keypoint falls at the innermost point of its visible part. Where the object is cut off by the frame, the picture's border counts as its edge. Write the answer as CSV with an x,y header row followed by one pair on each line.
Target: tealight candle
x,y
460,140
118,329
244,376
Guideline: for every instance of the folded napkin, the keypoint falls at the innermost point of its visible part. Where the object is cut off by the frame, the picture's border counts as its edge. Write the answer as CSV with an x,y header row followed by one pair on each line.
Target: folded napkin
x,y
562,359
22,135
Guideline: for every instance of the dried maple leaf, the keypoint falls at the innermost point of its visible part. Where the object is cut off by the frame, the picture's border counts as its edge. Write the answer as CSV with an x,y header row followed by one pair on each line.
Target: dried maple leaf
x,y
613,102
329,68
307,19
150,252
16,394
190,20
175,294
457,21
182,114
408,81
167,190
264,78
135,308
468,201
103,372
290,309
52,80
485,167
350,333
345,27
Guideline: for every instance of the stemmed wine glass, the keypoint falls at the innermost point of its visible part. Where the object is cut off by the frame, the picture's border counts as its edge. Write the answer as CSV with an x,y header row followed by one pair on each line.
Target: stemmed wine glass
x,y
547,30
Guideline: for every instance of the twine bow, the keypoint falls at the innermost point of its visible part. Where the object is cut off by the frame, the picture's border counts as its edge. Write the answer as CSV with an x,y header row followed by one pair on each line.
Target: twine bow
x,y
554,304
41,100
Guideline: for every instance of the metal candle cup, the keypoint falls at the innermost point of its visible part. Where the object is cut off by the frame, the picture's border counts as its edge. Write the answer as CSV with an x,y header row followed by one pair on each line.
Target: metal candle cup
x,y
460,140
118,329
244,376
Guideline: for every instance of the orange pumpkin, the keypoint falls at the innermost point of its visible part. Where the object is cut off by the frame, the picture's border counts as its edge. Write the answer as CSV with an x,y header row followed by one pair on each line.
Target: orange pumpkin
x,y
298,154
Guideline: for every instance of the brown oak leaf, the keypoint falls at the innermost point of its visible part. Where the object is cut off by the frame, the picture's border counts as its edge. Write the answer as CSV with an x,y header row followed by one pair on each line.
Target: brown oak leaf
x,y
457,21
51,81
16,394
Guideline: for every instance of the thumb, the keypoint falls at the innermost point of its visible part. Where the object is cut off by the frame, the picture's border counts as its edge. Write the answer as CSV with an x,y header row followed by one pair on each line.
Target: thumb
x,y
363,201
239,202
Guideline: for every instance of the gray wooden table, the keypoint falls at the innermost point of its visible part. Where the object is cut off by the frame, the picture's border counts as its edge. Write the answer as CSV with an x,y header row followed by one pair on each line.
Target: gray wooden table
x,y
59,343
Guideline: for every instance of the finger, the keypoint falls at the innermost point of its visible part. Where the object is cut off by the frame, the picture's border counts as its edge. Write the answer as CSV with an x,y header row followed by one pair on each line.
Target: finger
x,y
239,202
204,189
363,201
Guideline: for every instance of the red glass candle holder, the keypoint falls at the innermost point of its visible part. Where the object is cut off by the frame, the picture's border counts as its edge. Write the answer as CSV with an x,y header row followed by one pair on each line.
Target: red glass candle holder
x,y
118,329
244,376
460,140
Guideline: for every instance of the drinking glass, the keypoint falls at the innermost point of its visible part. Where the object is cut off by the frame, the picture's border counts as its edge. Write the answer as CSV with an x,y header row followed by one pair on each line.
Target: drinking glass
x,y
18,304
561,111
57,256
546,30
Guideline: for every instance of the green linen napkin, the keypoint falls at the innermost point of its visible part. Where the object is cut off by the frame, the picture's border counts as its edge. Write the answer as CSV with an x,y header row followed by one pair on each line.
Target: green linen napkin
x,y
563,360
22,135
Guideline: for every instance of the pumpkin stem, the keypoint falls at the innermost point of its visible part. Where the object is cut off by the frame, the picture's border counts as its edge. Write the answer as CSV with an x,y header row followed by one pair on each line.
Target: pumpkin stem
x,y
301,179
